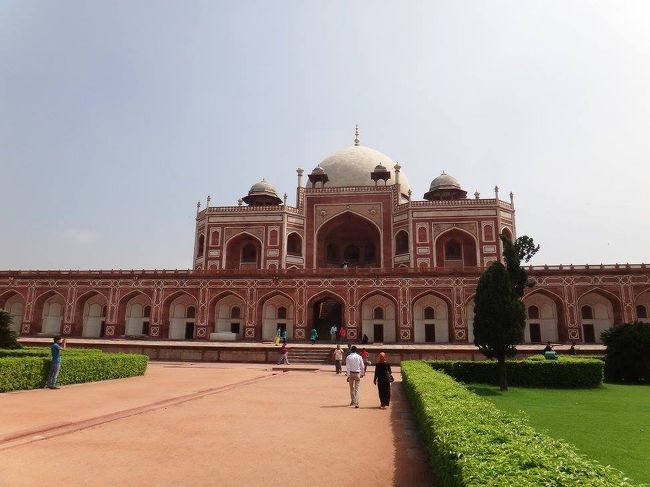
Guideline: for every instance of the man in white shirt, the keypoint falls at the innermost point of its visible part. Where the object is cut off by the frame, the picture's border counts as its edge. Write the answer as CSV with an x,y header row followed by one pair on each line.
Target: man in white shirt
x,y
338,358
355,370
333,332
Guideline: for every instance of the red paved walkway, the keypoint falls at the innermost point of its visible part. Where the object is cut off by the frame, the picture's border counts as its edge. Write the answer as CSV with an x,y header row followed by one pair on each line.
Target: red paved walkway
x,y
210,424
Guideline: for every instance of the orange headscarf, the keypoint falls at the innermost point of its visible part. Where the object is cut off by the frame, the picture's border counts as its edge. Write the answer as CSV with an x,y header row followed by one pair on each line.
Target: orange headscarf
x,y
381,357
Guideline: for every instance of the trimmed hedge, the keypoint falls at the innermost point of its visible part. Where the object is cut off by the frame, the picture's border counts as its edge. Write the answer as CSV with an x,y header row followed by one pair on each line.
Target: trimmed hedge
x,y
472,443
43,351
536,371
18,373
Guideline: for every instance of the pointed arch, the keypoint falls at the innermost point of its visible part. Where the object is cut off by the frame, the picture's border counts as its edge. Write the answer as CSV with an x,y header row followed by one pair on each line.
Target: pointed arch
x,y
16,308
37,313
442,326
78,317
469,248
238,242
269,324
379,327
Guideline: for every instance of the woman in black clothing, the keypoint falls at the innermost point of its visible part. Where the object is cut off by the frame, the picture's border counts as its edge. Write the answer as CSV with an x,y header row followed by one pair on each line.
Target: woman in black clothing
x,y
383,378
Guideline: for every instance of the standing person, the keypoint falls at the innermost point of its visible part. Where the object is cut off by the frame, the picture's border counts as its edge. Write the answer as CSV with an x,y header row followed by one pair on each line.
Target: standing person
x,y
364,340
285,336
55,364
338,358
354,370
334,333
278,335
548,347
284,355
364,356
342,333
383,378
313,336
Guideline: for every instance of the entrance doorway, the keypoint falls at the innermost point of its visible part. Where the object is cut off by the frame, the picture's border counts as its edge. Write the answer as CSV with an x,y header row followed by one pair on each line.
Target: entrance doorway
x,y
535,333
588,333
429,333
189,331
326,312
378,332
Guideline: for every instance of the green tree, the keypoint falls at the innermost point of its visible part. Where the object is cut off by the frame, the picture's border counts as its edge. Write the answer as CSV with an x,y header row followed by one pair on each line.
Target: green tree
x,y
7,335
499,315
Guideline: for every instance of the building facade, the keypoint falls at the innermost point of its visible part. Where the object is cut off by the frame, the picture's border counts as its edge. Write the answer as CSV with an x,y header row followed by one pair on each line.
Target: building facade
x,y
356,250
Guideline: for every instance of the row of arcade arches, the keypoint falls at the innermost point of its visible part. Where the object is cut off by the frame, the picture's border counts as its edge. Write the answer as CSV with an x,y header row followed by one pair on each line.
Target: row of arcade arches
x,y
597,311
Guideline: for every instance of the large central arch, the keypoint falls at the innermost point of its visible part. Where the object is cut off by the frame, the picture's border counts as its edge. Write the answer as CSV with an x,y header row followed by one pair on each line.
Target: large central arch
x,y
348,240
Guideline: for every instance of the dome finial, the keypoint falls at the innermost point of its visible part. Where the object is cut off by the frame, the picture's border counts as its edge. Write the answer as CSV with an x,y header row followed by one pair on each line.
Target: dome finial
x,y
356,135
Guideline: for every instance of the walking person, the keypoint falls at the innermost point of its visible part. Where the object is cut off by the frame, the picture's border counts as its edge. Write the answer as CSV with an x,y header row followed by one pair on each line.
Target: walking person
x,y
313,336
354,370
383,378
284,355
334,331
55,364
364,356
338,358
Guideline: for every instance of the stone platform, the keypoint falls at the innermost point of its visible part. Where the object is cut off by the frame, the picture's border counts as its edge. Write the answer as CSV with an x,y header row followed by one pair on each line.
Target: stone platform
x,y
266,352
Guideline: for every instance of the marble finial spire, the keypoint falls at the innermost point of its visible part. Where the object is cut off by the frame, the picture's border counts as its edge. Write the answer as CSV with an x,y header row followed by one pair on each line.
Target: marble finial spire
x,y
356,135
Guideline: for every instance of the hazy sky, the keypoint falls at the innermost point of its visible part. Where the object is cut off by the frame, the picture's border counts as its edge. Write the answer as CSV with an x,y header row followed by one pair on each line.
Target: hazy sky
x,y
116,117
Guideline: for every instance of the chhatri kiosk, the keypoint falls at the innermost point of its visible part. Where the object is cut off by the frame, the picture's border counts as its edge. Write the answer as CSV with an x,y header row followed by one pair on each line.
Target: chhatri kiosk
x,y
358,249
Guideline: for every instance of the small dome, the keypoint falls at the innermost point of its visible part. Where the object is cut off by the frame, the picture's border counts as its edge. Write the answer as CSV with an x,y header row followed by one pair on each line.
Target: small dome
x,y
264,193
444,181
379,168
318,170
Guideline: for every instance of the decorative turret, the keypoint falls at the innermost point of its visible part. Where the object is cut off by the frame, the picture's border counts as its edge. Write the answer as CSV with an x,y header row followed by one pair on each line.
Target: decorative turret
x,y
445,187
380,173
318,175
262,194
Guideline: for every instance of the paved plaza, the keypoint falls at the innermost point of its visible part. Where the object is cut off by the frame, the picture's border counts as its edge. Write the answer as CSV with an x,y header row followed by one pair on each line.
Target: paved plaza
x,y
211,424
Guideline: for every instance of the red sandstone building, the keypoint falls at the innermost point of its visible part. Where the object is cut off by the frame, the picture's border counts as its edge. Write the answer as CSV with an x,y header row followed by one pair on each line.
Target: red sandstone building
x,y
357,249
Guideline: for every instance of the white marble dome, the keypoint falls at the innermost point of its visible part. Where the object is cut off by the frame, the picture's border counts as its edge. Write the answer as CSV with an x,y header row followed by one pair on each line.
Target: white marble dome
x,y
352,167
444,181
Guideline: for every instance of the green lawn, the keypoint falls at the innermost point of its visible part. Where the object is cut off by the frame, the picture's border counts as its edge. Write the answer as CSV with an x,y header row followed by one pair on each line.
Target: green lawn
x,y
610,424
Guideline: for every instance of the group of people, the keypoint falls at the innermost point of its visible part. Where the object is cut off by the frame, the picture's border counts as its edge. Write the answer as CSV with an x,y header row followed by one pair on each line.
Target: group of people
x,y
356,367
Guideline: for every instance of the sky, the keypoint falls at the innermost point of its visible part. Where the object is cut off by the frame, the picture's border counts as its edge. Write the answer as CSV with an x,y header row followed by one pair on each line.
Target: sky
x,y
116,117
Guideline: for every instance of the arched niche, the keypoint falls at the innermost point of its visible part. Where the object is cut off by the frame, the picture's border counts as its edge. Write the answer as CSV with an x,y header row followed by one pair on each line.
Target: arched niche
x,y
430,320
94,311
642,307
181,311
137,315
542,323
277,312
348,239
378,319
294,245
230,317
14,304
243,252
596,312
455,249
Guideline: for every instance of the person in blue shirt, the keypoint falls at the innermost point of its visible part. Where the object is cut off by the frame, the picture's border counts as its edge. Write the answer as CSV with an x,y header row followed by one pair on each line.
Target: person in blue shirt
x,y
55,364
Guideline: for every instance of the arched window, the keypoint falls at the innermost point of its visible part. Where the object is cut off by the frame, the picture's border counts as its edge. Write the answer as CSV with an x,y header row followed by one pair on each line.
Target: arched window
x,y
147,311
533,312
401,242
351,253
453,250
235,312
429,313
249,253
200,245
422,235
282,313
332,253
191,312
378,313
294,244
587,313
641,311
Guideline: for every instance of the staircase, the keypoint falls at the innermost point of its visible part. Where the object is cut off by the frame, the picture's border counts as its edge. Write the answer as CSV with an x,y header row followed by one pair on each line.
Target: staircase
x,y
310,355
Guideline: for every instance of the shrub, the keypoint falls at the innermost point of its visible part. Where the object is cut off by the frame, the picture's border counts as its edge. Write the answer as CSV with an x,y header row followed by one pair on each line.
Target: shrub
x,y
18,373
533,372
8,337
472,443
44,352
628,353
